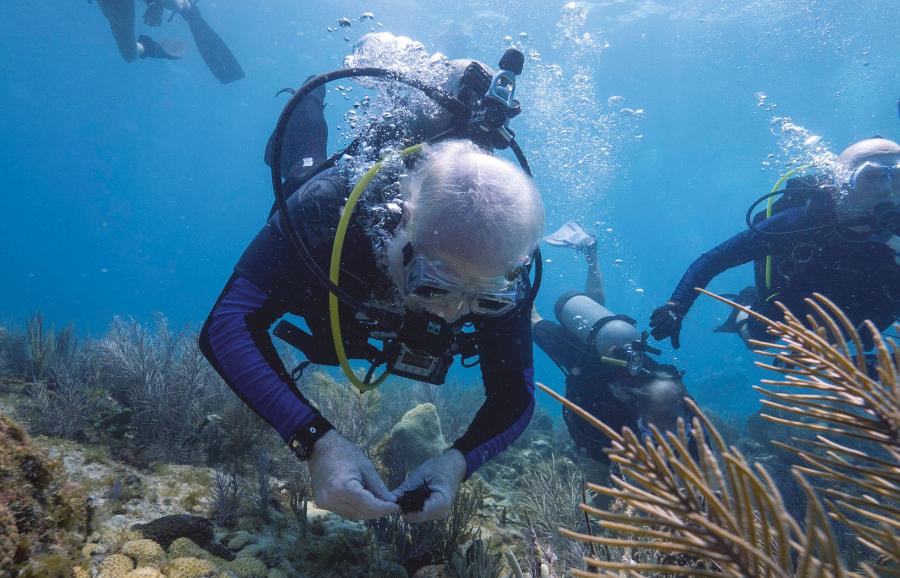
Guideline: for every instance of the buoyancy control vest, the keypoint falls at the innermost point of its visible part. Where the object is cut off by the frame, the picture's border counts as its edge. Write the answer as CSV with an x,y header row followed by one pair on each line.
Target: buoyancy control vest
x,y
791,258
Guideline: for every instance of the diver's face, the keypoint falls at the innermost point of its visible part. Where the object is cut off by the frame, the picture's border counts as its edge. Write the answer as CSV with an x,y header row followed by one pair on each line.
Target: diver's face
x,y
873,182
450,311
436,288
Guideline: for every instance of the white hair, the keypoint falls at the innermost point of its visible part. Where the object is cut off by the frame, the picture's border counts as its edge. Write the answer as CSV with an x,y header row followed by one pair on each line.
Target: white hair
x,y
855,203
858,153
480,214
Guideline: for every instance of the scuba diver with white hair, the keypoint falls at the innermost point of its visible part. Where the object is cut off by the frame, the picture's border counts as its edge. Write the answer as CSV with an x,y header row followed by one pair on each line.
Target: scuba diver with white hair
x,y
121,15
606,361
437,263
836,233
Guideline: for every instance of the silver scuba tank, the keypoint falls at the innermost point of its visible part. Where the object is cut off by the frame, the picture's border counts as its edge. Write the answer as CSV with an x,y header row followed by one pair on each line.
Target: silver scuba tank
x,y
601,330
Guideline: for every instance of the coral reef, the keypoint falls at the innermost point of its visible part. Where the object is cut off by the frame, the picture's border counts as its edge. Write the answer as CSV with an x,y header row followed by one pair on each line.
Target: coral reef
x,y
710,512
44,516
146,417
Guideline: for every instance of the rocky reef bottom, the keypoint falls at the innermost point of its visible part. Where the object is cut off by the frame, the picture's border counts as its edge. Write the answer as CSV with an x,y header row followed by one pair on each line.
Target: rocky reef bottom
x,y
69,509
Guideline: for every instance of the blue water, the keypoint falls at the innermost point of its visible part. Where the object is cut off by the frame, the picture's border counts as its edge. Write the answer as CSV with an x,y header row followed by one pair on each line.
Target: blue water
x,y
132,188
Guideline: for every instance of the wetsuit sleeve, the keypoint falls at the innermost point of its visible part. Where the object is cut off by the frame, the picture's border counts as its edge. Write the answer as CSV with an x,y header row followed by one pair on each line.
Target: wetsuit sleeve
x,y
236,341
742,248
557,343
268,282
507,369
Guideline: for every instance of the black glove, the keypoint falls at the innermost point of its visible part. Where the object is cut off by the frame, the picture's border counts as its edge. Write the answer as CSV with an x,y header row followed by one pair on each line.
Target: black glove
x,y
665,321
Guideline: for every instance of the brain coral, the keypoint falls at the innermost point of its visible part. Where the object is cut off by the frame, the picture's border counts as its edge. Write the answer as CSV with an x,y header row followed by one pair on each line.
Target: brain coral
x,y
44,514
186,548
115,566
144,552
248,568
145,573
189,568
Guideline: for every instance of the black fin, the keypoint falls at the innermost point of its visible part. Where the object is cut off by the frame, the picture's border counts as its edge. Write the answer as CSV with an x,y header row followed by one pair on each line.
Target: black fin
x,y
215,53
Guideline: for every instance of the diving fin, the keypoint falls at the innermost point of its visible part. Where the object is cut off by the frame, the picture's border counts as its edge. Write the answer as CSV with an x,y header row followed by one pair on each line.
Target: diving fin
x,y
218,58
120,14
173,47
571,235
167,48
747,297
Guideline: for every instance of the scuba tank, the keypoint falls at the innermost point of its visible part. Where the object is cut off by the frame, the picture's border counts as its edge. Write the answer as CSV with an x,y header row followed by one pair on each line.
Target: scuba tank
x,y
599,329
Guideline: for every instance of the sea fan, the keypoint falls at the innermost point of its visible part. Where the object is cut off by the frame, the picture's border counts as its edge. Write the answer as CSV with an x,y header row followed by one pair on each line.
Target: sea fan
x,y
853,402
711,513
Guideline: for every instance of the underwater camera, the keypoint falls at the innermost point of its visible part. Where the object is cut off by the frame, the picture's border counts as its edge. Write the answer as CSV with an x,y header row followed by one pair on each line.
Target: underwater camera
x,y
436,343
491,99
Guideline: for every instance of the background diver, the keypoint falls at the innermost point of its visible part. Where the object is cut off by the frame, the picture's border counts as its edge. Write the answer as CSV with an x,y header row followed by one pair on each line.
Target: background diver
x,y
454,256
605,360
216,55
836,233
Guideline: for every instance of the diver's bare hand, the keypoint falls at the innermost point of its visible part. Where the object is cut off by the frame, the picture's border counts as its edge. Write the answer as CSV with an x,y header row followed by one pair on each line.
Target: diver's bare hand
x,y
443,475
345,482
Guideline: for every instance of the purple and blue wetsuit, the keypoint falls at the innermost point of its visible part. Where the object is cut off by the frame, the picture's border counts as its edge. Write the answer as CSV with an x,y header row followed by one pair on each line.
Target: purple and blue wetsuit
x,y
270,281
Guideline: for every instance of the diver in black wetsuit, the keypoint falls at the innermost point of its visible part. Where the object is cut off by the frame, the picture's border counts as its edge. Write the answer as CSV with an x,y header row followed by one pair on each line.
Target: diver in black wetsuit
x,y
836,234
444,263
121,15
605,360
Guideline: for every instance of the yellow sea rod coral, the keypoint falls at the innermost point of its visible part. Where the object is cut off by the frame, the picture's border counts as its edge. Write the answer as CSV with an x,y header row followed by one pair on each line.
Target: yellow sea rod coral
x,y
144,552
115,566
249,568
189,568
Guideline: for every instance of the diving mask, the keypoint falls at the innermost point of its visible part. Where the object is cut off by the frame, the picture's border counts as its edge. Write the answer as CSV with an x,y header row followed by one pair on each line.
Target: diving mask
x,y
426,285
873,175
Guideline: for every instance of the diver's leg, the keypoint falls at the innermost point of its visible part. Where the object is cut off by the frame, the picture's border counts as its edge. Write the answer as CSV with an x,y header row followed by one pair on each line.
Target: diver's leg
x,y
571,234
120,14
218,58
593,285
154,13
